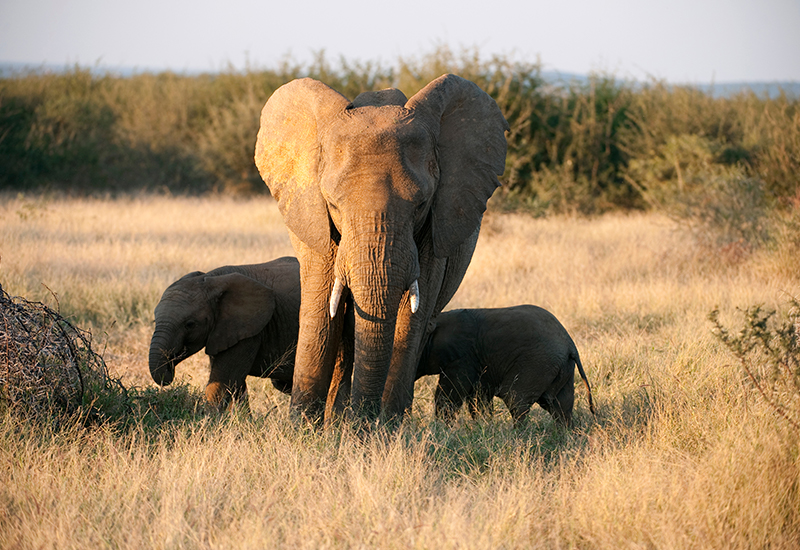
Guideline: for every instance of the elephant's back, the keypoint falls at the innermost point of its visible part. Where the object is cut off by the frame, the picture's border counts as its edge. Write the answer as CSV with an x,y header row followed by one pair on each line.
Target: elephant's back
x,y
524,324
281,274
285,272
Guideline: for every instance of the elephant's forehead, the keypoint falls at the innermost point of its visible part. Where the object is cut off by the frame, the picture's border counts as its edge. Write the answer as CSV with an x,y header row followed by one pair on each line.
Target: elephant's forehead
x,y
377,128
376,156
177,299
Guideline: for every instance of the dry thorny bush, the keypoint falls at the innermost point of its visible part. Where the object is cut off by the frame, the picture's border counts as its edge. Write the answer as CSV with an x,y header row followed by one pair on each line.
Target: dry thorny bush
x,y
768,349
47,364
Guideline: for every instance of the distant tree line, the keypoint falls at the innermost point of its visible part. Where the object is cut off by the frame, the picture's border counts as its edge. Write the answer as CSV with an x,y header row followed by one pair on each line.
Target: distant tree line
x,y
586,146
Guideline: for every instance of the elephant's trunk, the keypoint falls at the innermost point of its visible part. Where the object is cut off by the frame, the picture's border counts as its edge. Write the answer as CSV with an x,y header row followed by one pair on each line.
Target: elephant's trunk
x,y
161,358
378,273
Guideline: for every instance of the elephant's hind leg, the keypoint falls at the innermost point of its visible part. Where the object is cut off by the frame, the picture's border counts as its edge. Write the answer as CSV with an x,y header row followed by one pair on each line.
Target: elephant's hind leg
x,y
519,405
519,392
519,412
560,405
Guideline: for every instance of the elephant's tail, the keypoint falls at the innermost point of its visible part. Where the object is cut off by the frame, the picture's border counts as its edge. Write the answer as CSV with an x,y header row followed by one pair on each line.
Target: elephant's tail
x,y
577,359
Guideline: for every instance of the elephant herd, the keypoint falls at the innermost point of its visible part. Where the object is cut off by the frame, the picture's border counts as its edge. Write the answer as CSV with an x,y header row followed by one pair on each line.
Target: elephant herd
x,y
383,198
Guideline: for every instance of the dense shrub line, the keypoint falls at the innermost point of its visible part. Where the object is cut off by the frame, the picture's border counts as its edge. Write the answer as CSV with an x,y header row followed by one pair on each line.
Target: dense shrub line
x,y
585,147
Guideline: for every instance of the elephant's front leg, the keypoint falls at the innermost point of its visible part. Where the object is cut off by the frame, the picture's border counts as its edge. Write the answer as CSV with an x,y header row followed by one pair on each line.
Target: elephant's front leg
x,y
319,334
229,368
341,382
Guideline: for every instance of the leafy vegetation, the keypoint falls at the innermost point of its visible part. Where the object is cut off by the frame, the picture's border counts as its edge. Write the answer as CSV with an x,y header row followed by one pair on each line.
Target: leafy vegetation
x,y
768,348
584,147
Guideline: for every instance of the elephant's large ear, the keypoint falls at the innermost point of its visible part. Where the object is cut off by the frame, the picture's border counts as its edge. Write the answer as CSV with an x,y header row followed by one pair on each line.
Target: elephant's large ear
x,y
243,308
470,133
287,154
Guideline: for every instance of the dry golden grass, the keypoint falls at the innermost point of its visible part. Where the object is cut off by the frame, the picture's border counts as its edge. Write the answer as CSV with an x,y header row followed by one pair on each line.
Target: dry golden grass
x,y
108,261
682,453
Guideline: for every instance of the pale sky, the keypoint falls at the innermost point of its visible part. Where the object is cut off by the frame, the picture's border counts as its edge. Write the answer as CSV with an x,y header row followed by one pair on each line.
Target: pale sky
x,y
681,41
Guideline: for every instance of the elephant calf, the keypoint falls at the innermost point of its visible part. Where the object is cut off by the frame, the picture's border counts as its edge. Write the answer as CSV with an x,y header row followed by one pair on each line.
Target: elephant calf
x,y
522,354
246,317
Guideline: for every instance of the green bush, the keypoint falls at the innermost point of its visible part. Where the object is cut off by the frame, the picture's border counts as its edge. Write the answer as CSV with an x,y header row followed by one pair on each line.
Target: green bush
x,y
686,178
742,137
584,146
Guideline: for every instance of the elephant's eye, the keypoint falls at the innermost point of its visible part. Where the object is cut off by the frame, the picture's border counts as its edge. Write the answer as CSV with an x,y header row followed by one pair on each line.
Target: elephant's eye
x,y
190,325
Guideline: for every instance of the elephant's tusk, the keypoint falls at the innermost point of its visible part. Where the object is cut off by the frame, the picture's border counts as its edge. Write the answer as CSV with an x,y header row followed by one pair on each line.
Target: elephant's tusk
x,y
413,297
336,295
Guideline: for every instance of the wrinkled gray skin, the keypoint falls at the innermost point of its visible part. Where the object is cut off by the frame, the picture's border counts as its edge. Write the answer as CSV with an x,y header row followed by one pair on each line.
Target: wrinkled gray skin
x,y
246,317
521,354
382,196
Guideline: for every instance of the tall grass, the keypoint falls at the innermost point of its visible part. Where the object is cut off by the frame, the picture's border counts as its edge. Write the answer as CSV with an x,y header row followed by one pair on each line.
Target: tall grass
x,y
683,452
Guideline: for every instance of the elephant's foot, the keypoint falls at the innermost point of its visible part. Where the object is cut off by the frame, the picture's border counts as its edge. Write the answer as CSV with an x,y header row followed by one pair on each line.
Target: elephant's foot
x,y
221,396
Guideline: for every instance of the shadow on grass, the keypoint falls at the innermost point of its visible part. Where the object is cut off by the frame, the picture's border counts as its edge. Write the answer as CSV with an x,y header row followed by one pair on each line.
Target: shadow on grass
x,y
473,447
468,449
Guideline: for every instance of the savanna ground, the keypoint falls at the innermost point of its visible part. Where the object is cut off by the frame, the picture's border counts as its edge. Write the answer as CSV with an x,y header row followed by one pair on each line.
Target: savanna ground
x,y
683,452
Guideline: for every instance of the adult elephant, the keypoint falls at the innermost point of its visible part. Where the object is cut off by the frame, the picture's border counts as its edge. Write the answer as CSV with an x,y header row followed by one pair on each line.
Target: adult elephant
x,y
383,198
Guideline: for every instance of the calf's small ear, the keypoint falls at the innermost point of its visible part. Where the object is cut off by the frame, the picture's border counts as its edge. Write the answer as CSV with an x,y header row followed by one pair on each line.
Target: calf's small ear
x,y
243,307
